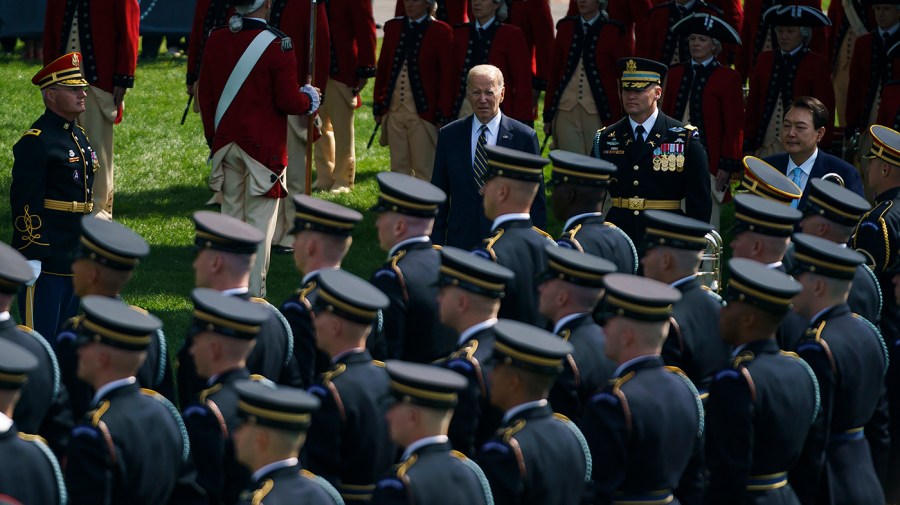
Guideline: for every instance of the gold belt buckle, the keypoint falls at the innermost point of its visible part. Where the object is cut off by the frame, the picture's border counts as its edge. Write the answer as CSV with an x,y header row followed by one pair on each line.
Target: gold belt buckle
x,y
636,203
88,207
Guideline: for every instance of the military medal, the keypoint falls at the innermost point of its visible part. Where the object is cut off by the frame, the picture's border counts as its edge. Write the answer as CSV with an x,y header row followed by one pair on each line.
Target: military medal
x,y
658,159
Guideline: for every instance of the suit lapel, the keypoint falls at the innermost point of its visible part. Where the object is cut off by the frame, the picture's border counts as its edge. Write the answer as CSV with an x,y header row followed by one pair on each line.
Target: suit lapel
x,y
467,134
504,133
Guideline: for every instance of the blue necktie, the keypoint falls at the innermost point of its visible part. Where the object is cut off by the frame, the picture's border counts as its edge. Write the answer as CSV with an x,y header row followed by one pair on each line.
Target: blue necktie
x,y
796,177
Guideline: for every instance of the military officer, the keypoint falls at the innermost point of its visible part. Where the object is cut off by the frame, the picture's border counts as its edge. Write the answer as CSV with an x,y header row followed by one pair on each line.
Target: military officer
x,y
429,471
223,330
538,456
52,175
567,295
849,359
832,212
511,182
224,254
273,427
112,339
488,39
755,427
351,391
660,160
872,67
104,261
471,289
672,250
105,33
621,423
43,404
414,87
582,92
322,236
406,210
710,96
29,472
877,236
579,193
799,71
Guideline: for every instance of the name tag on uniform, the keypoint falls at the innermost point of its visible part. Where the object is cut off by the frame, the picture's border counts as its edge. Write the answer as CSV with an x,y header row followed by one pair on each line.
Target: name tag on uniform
x,y
73,160
613,151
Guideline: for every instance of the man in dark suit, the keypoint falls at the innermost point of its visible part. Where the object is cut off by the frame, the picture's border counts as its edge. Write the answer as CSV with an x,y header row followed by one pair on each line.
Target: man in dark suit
x,y
661,162
459,173
803,129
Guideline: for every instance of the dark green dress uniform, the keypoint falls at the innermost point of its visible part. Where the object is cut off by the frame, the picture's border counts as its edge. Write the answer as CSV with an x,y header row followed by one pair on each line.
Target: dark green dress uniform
x,y
515,242
351,420
668,166
878,237
29,472
412,328
328,218
110,451
590,232
474,418
850,360
586,369
537,456
429,472
755,426
646,413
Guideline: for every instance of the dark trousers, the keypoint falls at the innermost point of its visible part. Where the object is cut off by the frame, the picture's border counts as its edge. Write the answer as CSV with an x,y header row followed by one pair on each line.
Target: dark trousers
x,y
45,306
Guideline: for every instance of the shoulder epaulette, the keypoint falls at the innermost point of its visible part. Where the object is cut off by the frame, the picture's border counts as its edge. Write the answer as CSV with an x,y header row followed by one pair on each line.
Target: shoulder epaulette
x,y
206,393
404,467
330,375
41,444
812,377
744,356
379,364
588,460
490,241
510,431
98,424
285,41
696,394
324,484
479,474
32,438
395,267
34,132
185,440
97,413
263,491
542,232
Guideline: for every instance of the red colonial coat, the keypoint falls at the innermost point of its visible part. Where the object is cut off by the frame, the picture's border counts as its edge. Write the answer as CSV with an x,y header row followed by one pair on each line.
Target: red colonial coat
x,y
611,43
536,22
861,78
109,38
434,69
753,12
722,106
452,12
509,53
257,118
629,12
812,79
654,33
292,17
889,112
352,27
208,14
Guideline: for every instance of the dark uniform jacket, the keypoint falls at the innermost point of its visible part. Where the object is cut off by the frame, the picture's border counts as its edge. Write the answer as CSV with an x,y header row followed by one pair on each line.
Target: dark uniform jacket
x,y
412,328
777,77
870,67
695,346
598,50
297,310
53,160
474,418
350,423
503,46
849,359
29,472
755,426
272,356
210,421
43,407
426,47
291,485
584,371
652,170
646,413
519,246
433,475
716,99
108,36
591,234
537,458
115,456
824,164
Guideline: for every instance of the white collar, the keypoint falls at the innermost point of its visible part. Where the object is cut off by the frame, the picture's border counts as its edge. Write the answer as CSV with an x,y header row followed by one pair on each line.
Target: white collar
x,y
422,442
890,31
413,240
235,291
774,265
486,25
515,216
703,63
5,423
826,309
4,316
648,124
794,51
341,354
493,126
681,281
511,413
807,165
417,21
737,350
308,277
271,467
565,319
103,390
475,328
571,220
633,361
590,22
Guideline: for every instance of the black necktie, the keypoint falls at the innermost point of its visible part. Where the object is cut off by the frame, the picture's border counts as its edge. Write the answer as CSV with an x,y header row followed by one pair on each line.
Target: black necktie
x,y
639,134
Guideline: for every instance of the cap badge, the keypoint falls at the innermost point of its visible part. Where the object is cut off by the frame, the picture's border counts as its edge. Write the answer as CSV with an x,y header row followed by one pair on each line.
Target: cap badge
x,y
631,66
75,61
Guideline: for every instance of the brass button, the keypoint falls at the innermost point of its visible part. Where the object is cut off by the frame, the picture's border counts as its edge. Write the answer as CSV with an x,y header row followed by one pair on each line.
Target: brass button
x,y
636,167
636,183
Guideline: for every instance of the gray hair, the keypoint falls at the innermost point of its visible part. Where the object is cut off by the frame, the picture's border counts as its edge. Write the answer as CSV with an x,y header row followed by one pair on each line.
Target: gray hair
x,y
503,11
249,7
487,70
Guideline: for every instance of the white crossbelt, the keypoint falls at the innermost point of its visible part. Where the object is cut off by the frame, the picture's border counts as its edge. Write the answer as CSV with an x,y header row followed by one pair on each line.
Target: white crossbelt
x,y
244,65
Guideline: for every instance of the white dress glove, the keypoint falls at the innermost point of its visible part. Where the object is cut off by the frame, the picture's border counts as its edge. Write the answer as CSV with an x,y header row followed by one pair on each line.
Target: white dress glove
x,y
35,270
313,95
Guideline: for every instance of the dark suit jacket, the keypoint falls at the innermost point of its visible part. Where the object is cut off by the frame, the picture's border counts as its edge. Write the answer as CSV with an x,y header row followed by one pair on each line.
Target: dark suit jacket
x,y
825,164
453,173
